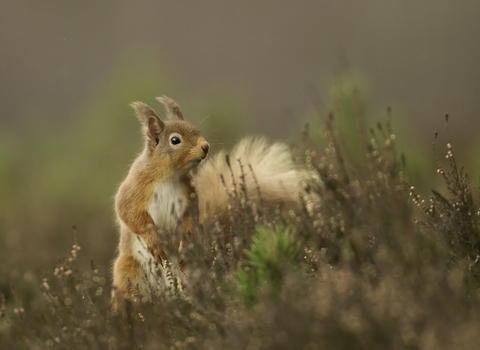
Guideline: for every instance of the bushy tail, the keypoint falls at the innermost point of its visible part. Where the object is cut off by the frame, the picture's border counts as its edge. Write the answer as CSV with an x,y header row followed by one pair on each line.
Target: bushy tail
x,y
267,170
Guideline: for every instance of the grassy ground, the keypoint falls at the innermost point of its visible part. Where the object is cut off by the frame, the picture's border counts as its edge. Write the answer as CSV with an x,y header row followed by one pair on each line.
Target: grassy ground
x,y
365,263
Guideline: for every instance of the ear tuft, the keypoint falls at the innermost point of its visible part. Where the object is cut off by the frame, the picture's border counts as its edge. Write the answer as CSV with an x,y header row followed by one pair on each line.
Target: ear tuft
x,y
142,111
173,110
149,119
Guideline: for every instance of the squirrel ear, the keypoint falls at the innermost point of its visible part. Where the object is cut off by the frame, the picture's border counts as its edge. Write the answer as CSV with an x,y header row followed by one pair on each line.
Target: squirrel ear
x,y
173,110
150,120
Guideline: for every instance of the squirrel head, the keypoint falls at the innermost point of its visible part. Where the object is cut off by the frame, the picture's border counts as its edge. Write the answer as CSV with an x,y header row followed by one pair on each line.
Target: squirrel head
x,y
173,143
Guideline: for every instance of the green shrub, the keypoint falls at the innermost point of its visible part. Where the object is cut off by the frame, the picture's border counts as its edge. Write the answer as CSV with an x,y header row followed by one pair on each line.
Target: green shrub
x,y
272,252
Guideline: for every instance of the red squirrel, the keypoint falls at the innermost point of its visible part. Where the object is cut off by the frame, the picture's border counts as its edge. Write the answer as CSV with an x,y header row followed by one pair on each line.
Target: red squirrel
x,y
156,195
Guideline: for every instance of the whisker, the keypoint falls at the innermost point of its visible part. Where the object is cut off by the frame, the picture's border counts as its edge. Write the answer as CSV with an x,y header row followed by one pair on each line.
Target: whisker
x,y
204,119
213,131
214,142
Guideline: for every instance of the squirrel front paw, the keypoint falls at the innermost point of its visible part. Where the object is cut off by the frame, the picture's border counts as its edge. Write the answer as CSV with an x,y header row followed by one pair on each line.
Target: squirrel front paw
x,y
159,255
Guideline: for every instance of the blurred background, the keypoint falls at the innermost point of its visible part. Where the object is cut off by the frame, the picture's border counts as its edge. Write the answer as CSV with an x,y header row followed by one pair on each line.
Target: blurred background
x,y
69,70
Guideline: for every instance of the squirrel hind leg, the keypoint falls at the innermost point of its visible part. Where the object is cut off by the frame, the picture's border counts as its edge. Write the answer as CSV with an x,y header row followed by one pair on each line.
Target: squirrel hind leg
x,y
127,282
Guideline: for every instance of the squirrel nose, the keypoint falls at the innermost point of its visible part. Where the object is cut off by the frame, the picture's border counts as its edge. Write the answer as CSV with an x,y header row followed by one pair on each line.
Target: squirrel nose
x,y
205,147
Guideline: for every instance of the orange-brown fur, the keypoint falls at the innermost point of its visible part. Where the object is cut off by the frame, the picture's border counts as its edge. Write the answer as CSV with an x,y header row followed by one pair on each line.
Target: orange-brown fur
x,y
162,165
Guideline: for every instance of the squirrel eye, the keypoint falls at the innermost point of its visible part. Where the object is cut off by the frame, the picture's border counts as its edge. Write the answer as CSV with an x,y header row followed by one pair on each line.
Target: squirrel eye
x,y
175,140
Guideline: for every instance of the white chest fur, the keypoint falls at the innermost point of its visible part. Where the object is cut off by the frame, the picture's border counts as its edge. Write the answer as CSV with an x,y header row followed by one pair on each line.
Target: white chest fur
x,y
168,204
